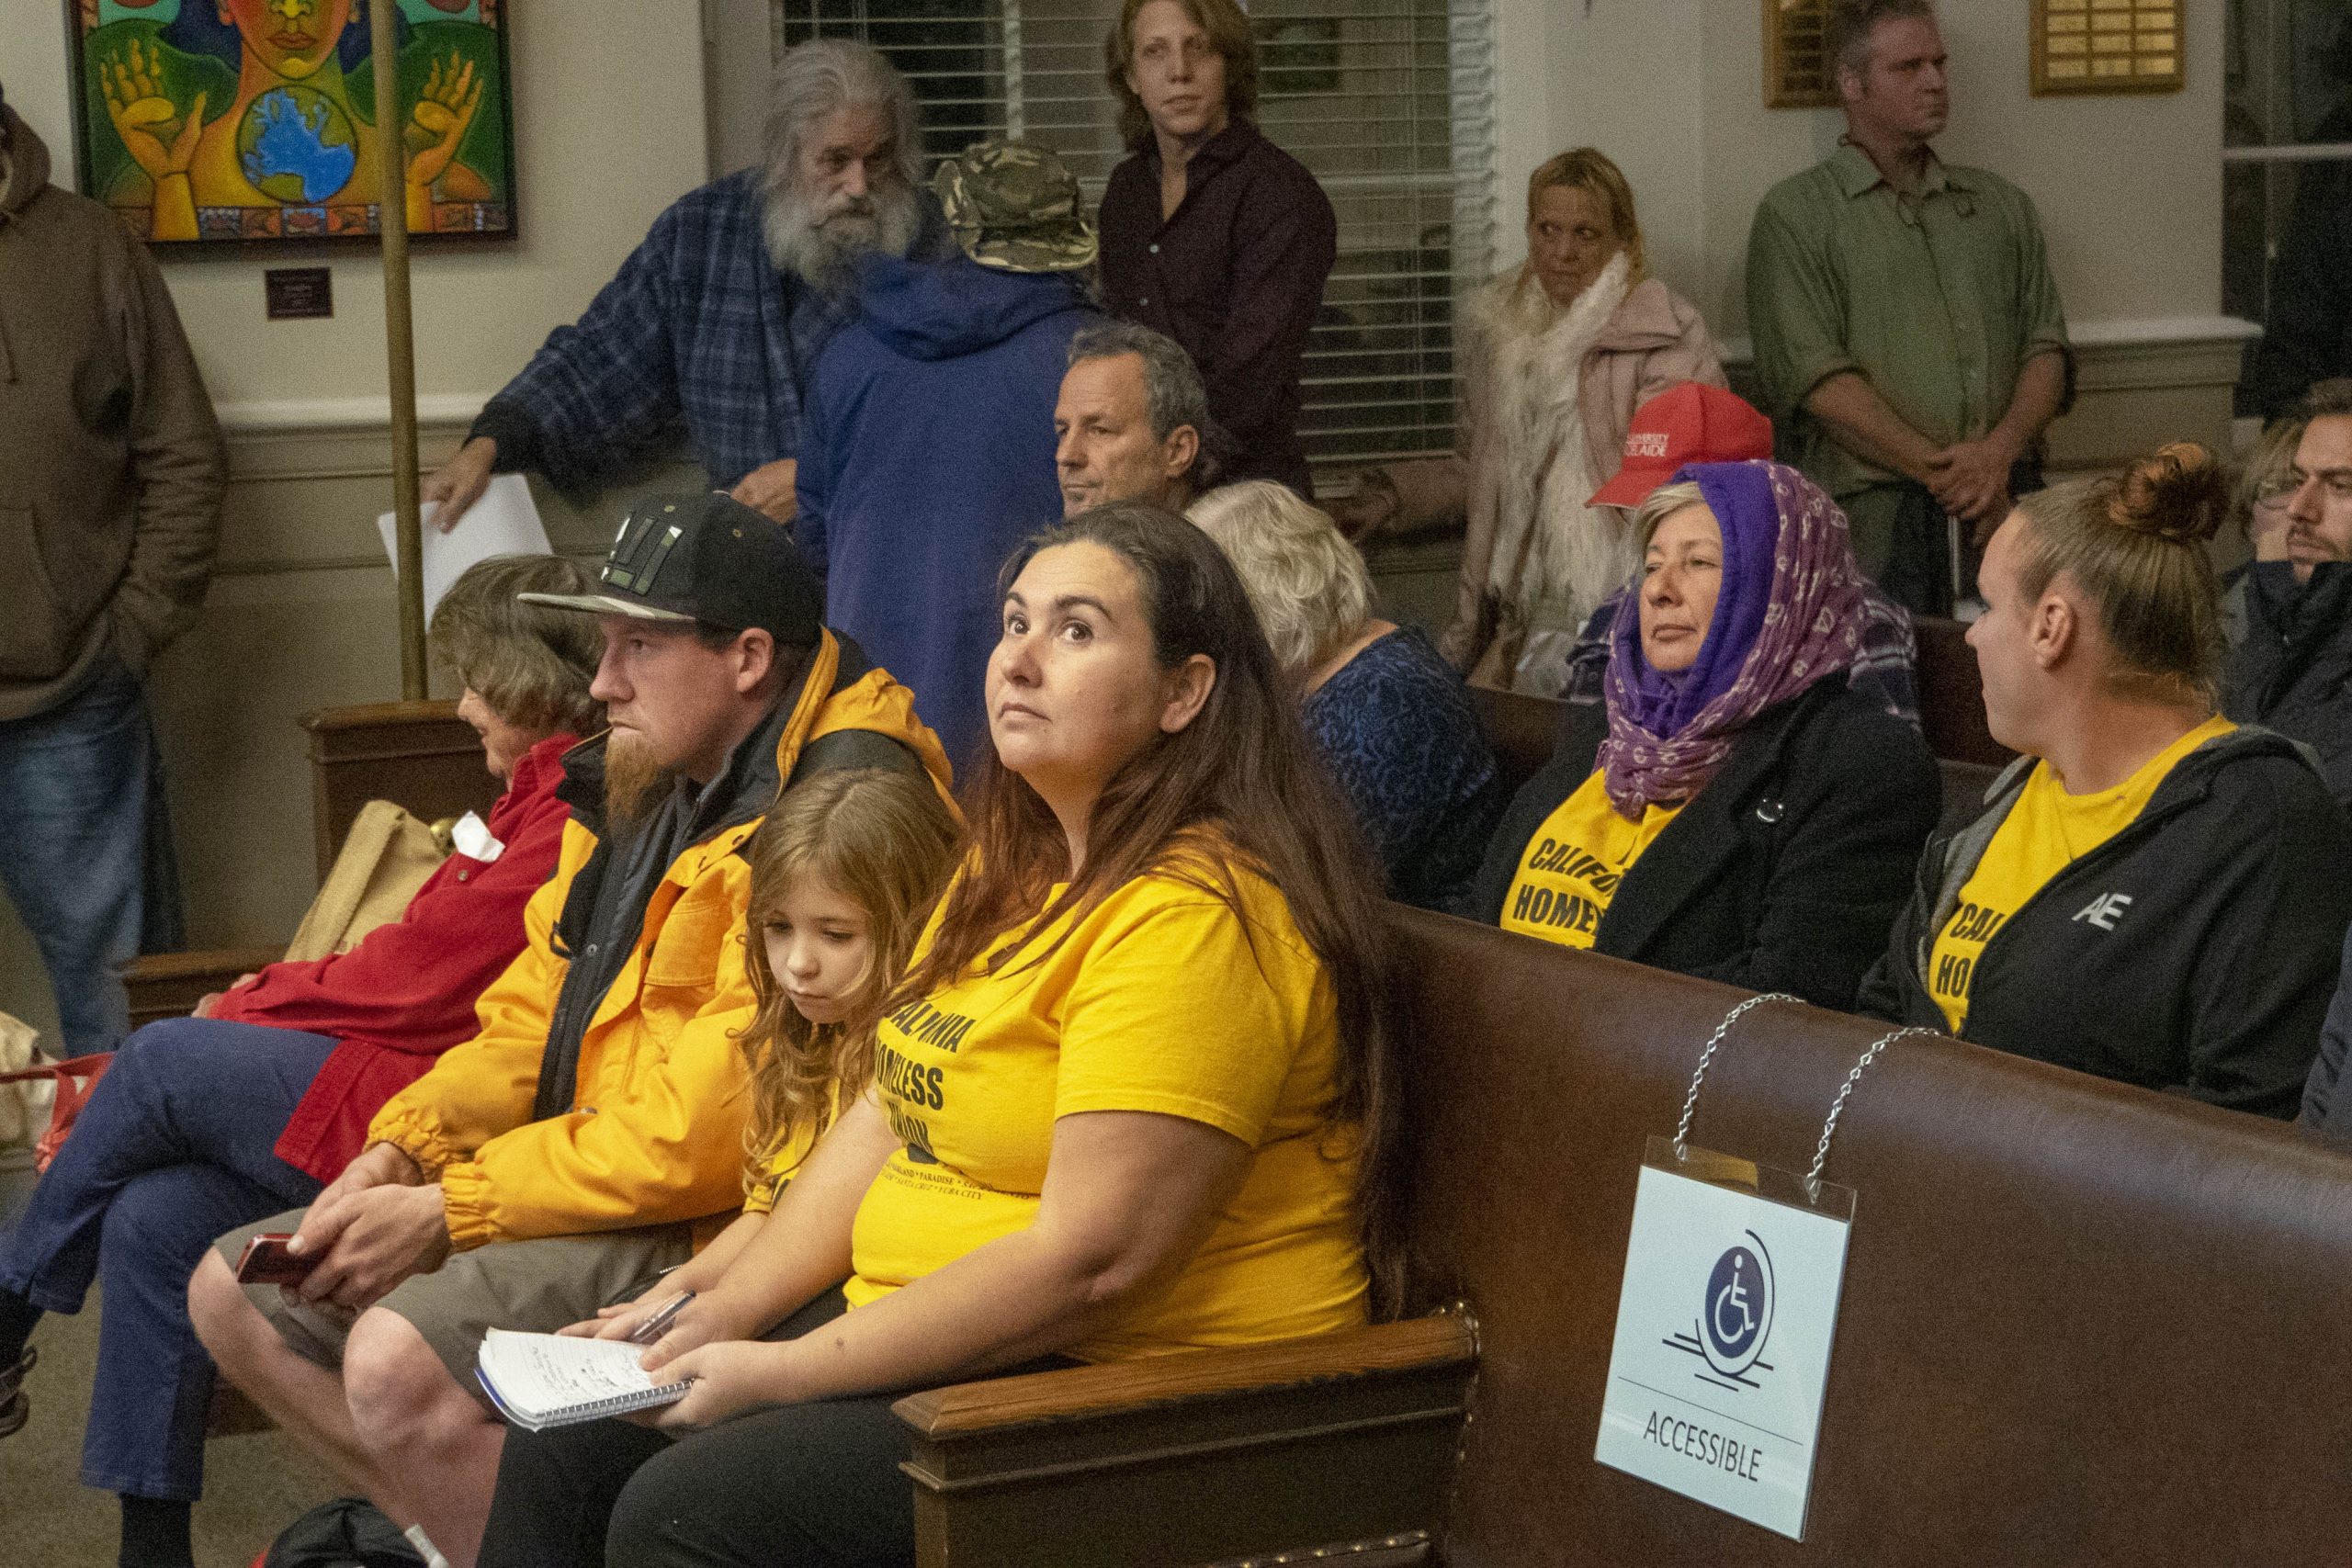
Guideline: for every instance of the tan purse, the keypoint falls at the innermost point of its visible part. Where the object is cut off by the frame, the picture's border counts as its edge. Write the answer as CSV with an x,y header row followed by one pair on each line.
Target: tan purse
x,y
386,857
24,1103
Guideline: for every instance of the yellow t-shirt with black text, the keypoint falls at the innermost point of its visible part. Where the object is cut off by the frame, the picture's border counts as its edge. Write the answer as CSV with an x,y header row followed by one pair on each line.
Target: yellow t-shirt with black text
x,y
1155,1002
1570,869
2046,831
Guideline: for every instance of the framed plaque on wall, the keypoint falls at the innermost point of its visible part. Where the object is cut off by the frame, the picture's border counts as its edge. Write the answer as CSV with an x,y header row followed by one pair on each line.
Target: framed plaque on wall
x,y
2108,46
1798,73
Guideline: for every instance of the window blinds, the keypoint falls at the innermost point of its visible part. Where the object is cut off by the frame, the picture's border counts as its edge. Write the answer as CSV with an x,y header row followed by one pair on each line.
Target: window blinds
x,y
1390,103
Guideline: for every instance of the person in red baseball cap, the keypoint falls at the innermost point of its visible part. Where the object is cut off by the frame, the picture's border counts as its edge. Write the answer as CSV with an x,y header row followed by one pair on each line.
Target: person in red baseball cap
x,y
1694,423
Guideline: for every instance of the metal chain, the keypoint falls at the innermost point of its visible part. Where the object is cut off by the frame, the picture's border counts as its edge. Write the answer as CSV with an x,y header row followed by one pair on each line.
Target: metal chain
x,y
1830,1128
1690,1101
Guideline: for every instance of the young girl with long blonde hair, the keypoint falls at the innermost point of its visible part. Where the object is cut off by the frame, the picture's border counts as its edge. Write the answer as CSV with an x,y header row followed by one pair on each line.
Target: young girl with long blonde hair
x,y
843,873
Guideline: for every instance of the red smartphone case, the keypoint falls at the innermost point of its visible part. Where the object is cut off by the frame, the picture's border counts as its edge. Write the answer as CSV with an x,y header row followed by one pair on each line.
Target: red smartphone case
x,y
266,1261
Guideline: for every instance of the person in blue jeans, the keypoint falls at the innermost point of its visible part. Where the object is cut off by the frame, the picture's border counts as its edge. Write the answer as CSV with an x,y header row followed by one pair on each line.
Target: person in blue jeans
x,y
81,789
111,472
206,1124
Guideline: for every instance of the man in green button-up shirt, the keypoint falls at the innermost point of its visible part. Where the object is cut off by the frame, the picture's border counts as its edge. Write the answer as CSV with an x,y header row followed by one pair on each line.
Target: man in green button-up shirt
x,y
1907,330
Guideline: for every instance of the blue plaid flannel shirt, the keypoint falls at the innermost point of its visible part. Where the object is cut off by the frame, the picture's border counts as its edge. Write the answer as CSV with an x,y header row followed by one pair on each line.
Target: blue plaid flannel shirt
x,y
1885,670
697,335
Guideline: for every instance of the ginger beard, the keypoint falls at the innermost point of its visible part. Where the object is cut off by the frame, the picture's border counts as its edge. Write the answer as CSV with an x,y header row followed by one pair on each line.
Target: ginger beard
x,y
635,779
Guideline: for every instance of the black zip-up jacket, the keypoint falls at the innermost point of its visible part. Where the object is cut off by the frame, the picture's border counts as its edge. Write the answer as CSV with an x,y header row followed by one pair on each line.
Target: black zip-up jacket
x,y
2294,671
1783,873
601,922
2194,952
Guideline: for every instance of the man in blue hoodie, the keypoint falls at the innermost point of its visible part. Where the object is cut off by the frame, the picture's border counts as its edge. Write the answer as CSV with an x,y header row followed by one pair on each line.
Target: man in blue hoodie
x,y
929,429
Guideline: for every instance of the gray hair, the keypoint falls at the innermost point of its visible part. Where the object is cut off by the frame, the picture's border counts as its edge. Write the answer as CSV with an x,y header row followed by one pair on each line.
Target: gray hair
x,y
813,81
1846,35
2330,398
1173,394
1308,585
1663,503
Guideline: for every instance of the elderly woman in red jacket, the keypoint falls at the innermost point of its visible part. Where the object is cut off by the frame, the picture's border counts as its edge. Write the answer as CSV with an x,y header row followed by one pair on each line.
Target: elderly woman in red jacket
x,y
209,1122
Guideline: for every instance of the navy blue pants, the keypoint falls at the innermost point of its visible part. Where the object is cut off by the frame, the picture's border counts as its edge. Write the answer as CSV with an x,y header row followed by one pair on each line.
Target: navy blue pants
x,y
172,1150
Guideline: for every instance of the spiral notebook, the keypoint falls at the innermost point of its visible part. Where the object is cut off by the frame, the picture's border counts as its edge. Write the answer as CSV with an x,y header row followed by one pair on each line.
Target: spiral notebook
x,y
539,1381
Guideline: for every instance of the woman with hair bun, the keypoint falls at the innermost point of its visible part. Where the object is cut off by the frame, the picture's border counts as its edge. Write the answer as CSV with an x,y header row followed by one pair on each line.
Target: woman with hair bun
x,y
2152,894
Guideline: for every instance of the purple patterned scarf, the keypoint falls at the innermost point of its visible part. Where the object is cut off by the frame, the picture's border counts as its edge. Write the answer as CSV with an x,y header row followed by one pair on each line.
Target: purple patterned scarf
x,y
1789,613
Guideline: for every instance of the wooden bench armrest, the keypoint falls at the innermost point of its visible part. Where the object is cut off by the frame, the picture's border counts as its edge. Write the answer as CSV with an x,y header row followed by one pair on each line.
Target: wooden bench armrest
x,y
165,985
1160,1382
1344,1440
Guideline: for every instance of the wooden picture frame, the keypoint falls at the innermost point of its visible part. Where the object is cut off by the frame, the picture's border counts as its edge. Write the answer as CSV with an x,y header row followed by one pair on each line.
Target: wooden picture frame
x,y
2108,46
1798,71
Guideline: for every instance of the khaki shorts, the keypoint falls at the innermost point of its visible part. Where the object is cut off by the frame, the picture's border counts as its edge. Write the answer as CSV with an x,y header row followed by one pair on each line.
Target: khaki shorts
x,y
535,1286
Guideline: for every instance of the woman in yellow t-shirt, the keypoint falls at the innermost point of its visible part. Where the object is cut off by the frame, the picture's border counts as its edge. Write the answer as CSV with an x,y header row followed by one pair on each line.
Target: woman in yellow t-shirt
x,y
2152,895
1733,809
1135,1095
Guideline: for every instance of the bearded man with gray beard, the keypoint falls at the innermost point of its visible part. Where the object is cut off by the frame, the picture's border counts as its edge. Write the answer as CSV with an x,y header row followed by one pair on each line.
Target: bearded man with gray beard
x,y
711,325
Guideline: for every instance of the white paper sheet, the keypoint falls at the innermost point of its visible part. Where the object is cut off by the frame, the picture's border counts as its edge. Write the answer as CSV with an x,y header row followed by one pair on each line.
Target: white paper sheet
x,y
504,522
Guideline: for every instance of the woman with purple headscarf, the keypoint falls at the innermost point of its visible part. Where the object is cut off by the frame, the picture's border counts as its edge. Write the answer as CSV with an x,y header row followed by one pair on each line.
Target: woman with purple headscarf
x,y
1733,810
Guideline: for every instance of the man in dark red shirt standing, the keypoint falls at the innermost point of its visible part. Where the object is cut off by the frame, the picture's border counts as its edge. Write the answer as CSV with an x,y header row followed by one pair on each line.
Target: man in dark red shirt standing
x,y
1210,232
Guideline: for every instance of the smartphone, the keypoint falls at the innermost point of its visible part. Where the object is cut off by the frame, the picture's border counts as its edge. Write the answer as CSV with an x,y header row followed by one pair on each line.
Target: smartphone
x,y
266,1261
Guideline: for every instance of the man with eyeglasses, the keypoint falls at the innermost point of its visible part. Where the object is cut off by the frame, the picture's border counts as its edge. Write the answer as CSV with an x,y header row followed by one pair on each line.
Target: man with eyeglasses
x,y
2294,671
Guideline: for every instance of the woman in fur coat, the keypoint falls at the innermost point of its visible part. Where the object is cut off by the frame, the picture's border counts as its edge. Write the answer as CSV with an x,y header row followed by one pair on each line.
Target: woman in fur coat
x,y
1555,355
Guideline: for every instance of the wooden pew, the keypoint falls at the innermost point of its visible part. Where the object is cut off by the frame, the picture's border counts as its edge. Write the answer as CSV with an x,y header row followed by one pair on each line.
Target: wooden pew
x,y
2082,1324
1521,730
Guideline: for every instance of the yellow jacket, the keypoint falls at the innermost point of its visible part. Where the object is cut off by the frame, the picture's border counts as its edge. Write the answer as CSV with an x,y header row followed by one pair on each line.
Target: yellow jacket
x,y
655,1134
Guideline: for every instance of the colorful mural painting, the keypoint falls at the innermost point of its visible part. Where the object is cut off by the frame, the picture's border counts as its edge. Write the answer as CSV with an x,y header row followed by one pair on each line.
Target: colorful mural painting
x,y
246,120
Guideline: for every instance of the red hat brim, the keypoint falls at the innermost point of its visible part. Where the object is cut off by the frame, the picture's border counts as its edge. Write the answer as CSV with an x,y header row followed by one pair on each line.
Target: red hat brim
x,y
1632,485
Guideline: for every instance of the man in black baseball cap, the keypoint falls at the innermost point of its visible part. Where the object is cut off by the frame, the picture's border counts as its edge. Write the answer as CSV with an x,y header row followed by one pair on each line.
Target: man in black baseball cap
x,y
704,557
558,1160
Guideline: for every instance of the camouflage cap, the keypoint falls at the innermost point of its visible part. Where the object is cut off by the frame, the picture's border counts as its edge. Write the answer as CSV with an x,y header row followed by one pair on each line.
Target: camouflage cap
x,y
1015,206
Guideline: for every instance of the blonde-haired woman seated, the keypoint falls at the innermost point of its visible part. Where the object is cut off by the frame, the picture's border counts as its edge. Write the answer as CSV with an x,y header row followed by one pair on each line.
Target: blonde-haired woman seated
x,y
1558,355
1387,712
2152,894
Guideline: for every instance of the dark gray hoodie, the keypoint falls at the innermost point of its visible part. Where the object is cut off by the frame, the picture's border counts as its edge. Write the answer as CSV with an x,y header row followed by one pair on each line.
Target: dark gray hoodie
x,y
112,467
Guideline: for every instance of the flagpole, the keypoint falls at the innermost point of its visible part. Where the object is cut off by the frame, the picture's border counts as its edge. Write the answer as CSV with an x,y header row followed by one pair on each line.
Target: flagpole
x,y
400,343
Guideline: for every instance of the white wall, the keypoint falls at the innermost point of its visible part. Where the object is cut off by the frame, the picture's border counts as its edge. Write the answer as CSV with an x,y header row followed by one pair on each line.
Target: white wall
x,y
2129,187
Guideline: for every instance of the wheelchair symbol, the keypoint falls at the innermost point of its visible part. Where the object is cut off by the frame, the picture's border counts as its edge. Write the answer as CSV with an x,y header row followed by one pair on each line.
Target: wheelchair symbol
x,y
1737,1317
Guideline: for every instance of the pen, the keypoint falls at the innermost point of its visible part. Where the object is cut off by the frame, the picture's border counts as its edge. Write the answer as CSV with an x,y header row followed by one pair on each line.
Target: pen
x,y
650,1329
